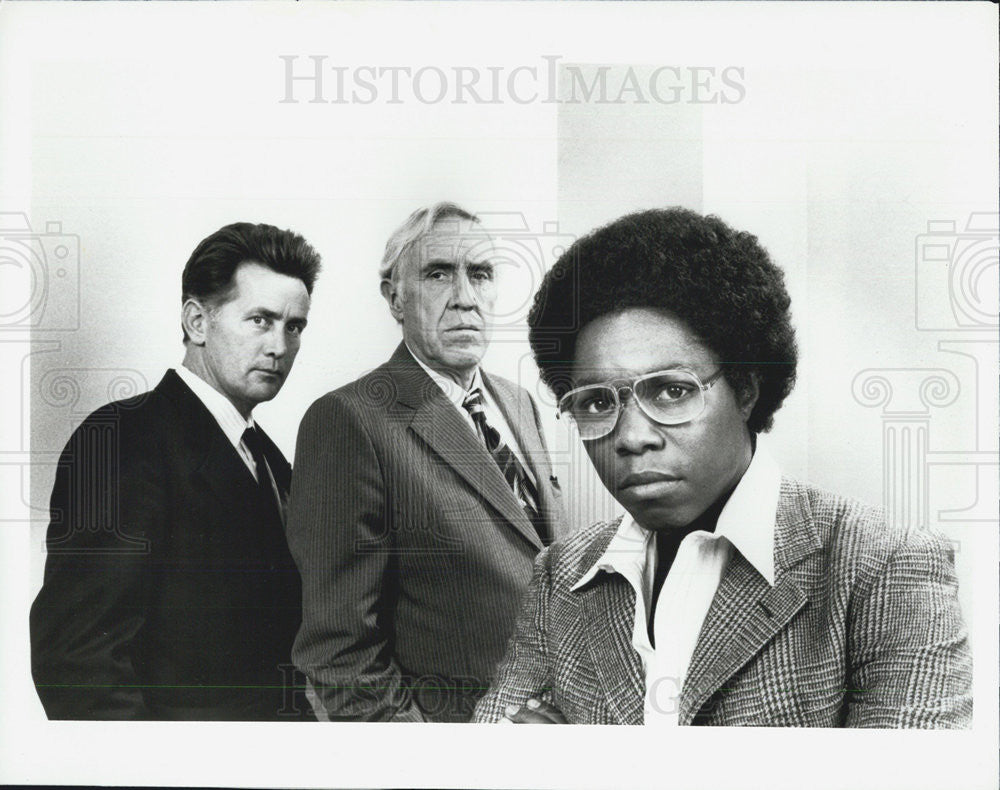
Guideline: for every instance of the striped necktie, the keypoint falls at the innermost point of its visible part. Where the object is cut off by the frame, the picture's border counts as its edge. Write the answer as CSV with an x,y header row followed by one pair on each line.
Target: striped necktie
x,y
510,467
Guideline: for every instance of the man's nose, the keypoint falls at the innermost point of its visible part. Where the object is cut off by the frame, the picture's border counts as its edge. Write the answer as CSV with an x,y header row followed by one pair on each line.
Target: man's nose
x,y
463,295
277,342
635,431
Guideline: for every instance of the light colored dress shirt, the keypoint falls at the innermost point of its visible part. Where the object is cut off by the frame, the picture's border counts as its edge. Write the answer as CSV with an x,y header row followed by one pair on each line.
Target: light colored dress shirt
x,y
230,420
746,524
494,416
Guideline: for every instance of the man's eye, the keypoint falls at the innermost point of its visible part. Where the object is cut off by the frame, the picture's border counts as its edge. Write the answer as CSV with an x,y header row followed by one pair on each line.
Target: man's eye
x,y
259,320
295,329
595,404
439,274
673,391
481,275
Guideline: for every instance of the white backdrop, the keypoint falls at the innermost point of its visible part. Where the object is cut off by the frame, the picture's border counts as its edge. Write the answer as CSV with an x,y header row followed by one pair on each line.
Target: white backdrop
x,y
836,133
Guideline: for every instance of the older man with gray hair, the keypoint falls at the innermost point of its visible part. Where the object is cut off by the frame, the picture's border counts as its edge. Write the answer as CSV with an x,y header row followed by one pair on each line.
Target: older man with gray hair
x,y
423,492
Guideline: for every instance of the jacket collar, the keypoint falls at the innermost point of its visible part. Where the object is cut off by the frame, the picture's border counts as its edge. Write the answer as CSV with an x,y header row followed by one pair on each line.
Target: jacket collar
x,y
230,420
209,450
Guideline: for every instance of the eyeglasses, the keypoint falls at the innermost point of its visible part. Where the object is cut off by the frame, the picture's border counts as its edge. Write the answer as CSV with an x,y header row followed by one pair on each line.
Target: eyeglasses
x,y
668,397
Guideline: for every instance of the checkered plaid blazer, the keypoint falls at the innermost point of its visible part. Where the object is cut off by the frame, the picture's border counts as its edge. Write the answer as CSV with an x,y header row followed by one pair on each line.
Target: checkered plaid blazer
x,y
862,628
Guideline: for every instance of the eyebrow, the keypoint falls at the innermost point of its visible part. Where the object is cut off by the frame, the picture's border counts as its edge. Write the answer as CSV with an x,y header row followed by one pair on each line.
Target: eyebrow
x,y
437,263
586,381
442,263
273,316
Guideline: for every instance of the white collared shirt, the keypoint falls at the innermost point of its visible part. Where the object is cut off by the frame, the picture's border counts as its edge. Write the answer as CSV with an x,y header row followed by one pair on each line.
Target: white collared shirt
x,y
454,393
230,420
745,524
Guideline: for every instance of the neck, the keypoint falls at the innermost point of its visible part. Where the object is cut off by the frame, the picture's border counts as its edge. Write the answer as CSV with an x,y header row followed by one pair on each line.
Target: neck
x,y
708,520
710,517
194,361
462,378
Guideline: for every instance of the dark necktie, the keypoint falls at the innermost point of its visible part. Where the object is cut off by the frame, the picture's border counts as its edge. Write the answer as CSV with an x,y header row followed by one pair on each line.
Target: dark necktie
x,y
510,467
255,444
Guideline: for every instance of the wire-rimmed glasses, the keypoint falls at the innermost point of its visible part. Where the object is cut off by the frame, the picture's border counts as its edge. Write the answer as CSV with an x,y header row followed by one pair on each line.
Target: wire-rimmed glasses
x,y
668,397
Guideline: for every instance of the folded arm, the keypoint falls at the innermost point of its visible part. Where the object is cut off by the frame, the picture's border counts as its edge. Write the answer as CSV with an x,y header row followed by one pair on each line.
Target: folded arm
x,y
524,672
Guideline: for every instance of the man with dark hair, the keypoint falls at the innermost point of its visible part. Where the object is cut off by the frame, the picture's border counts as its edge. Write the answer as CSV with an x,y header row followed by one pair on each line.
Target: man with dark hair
x,y
423,492
169,590
727,594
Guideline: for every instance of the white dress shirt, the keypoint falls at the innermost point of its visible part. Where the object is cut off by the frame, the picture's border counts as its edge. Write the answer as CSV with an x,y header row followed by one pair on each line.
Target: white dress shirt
x,y
230,420
494,416
746,524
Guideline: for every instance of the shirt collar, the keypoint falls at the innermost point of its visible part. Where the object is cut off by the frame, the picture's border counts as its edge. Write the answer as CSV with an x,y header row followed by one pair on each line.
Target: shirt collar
x,y
230,420
747,521
625,554
452,391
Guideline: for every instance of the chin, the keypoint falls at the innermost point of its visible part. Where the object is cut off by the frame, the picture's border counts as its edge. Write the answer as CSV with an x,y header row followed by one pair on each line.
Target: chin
x,y
657,517
263,394
465,356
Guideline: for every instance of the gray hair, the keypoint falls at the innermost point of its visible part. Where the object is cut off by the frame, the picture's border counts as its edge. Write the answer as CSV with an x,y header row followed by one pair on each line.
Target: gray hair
x,y
417,225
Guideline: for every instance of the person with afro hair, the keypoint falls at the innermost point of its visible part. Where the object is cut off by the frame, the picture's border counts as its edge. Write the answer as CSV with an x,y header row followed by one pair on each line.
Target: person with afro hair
x,y
727,594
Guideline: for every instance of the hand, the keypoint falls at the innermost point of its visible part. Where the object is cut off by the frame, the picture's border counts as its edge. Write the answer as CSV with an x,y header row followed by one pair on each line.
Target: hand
x,y
535,711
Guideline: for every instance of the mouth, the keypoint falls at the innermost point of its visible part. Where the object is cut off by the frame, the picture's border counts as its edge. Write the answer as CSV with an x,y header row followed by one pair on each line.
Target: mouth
x,y
648,481
464,328
269,372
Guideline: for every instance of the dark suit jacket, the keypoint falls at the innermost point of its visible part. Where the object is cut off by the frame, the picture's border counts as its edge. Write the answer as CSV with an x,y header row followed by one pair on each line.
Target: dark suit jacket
x,y
413,550
861,629
169,590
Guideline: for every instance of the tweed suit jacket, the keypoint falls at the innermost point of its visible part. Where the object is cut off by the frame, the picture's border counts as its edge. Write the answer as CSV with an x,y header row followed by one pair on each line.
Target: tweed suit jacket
x,y
413,549
169,590
862,628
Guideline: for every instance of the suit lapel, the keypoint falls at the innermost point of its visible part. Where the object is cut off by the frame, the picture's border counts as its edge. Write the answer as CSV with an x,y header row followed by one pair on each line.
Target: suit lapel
x,y
745,615
747,612
437,422
215,461
607,605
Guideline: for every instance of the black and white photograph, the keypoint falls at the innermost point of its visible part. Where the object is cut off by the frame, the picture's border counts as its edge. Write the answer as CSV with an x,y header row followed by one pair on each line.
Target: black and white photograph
x,y
380,375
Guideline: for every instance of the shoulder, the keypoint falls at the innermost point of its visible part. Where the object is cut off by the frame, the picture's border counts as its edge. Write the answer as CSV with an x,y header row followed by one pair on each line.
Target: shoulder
x,y
364,412
856,535
831,515
134,417
376,390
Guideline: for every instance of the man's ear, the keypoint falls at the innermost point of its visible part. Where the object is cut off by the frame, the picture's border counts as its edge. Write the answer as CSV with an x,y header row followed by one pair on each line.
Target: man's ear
x,y
393,297
194,319
750,396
